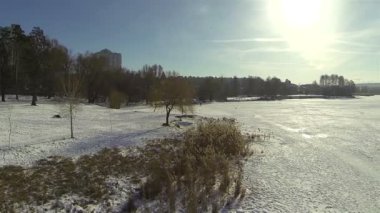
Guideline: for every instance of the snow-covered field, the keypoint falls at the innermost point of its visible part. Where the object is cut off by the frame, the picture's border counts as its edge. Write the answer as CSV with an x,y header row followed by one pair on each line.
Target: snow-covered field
x,y
324,155
36,134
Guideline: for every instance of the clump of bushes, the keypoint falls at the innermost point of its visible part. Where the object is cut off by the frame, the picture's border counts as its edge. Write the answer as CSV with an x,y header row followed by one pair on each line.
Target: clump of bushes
x,y
116,99
200,172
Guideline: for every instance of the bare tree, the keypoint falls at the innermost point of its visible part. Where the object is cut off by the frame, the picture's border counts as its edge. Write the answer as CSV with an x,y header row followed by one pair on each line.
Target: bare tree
x,y
71,87
16,36
173,92
10,125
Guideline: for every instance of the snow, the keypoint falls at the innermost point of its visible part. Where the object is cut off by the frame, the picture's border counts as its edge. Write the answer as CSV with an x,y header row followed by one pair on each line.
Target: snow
x,y
36,134
323,155
120,192
242,98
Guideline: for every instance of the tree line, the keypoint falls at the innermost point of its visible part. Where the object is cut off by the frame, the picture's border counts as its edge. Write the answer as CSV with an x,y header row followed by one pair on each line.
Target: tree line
x,y
36,65
334,85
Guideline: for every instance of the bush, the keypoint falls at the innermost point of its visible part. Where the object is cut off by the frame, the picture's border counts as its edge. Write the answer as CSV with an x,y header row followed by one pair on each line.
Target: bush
x,y
116,99
222,136
199,171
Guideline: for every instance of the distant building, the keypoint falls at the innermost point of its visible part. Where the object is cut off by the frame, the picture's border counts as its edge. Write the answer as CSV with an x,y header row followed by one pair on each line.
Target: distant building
x,y
113,59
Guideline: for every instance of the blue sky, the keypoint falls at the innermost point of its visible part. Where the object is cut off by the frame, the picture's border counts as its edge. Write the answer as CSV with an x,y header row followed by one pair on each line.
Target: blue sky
x,y
217,37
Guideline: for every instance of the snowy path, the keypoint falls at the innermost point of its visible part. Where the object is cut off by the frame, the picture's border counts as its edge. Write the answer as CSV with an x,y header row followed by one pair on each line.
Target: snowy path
x,y
324,157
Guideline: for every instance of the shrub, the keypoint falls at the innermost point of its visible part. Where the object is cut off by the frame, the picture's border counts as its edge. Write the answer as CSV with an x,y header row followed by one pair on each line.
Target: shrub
x,y
223,136
199,171
116,99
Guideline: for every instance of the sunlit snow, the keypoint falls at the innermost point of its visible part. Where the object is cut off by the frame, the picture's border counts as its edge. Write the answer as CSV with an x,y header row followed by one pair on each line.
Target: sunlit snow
x,y
323,155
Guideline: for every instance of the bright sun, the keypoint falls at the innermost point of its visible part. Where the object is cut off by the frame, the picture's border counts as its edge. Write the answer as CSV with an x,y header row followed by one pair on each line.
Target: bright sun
x,y
300,13
306,24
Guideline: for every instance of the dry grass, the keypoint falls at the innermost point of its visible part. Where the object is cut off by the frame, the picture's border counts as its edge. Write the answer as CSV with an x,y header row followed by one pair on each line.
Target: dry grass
x,y
54,177
201,171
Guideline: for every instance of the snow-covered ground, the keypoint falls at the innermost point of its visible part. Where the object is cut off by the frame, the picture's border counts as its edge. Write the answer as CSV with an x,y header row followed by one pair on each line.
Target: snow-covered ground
x,y
324,155
242,98
36,134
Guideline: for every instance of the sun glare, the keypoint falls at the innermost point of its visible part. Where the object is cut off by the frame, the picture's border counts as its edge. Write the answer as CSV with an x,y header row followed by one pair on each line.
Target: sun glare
x,y
305,24
300,13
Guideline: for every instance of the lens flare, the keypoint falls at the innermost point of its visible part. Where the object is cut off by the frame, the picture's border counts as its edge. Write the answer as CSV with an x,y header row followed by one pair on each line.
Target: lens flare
x,y
307,25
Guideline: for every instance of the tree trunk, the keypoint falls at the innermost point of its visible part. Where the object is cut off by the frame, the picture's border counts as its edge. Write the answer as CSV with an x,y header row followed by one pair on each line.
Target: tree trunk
x,y
168,110
167,118
71,121
2,87
91,99
2,93
34,99
16,82
167,115
89,96
16,66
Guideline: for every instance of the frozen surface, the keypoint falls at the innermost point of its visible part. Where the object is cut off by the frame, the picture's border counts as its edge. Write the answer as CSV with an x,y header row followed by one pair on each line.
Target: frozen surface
x,y
324,155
